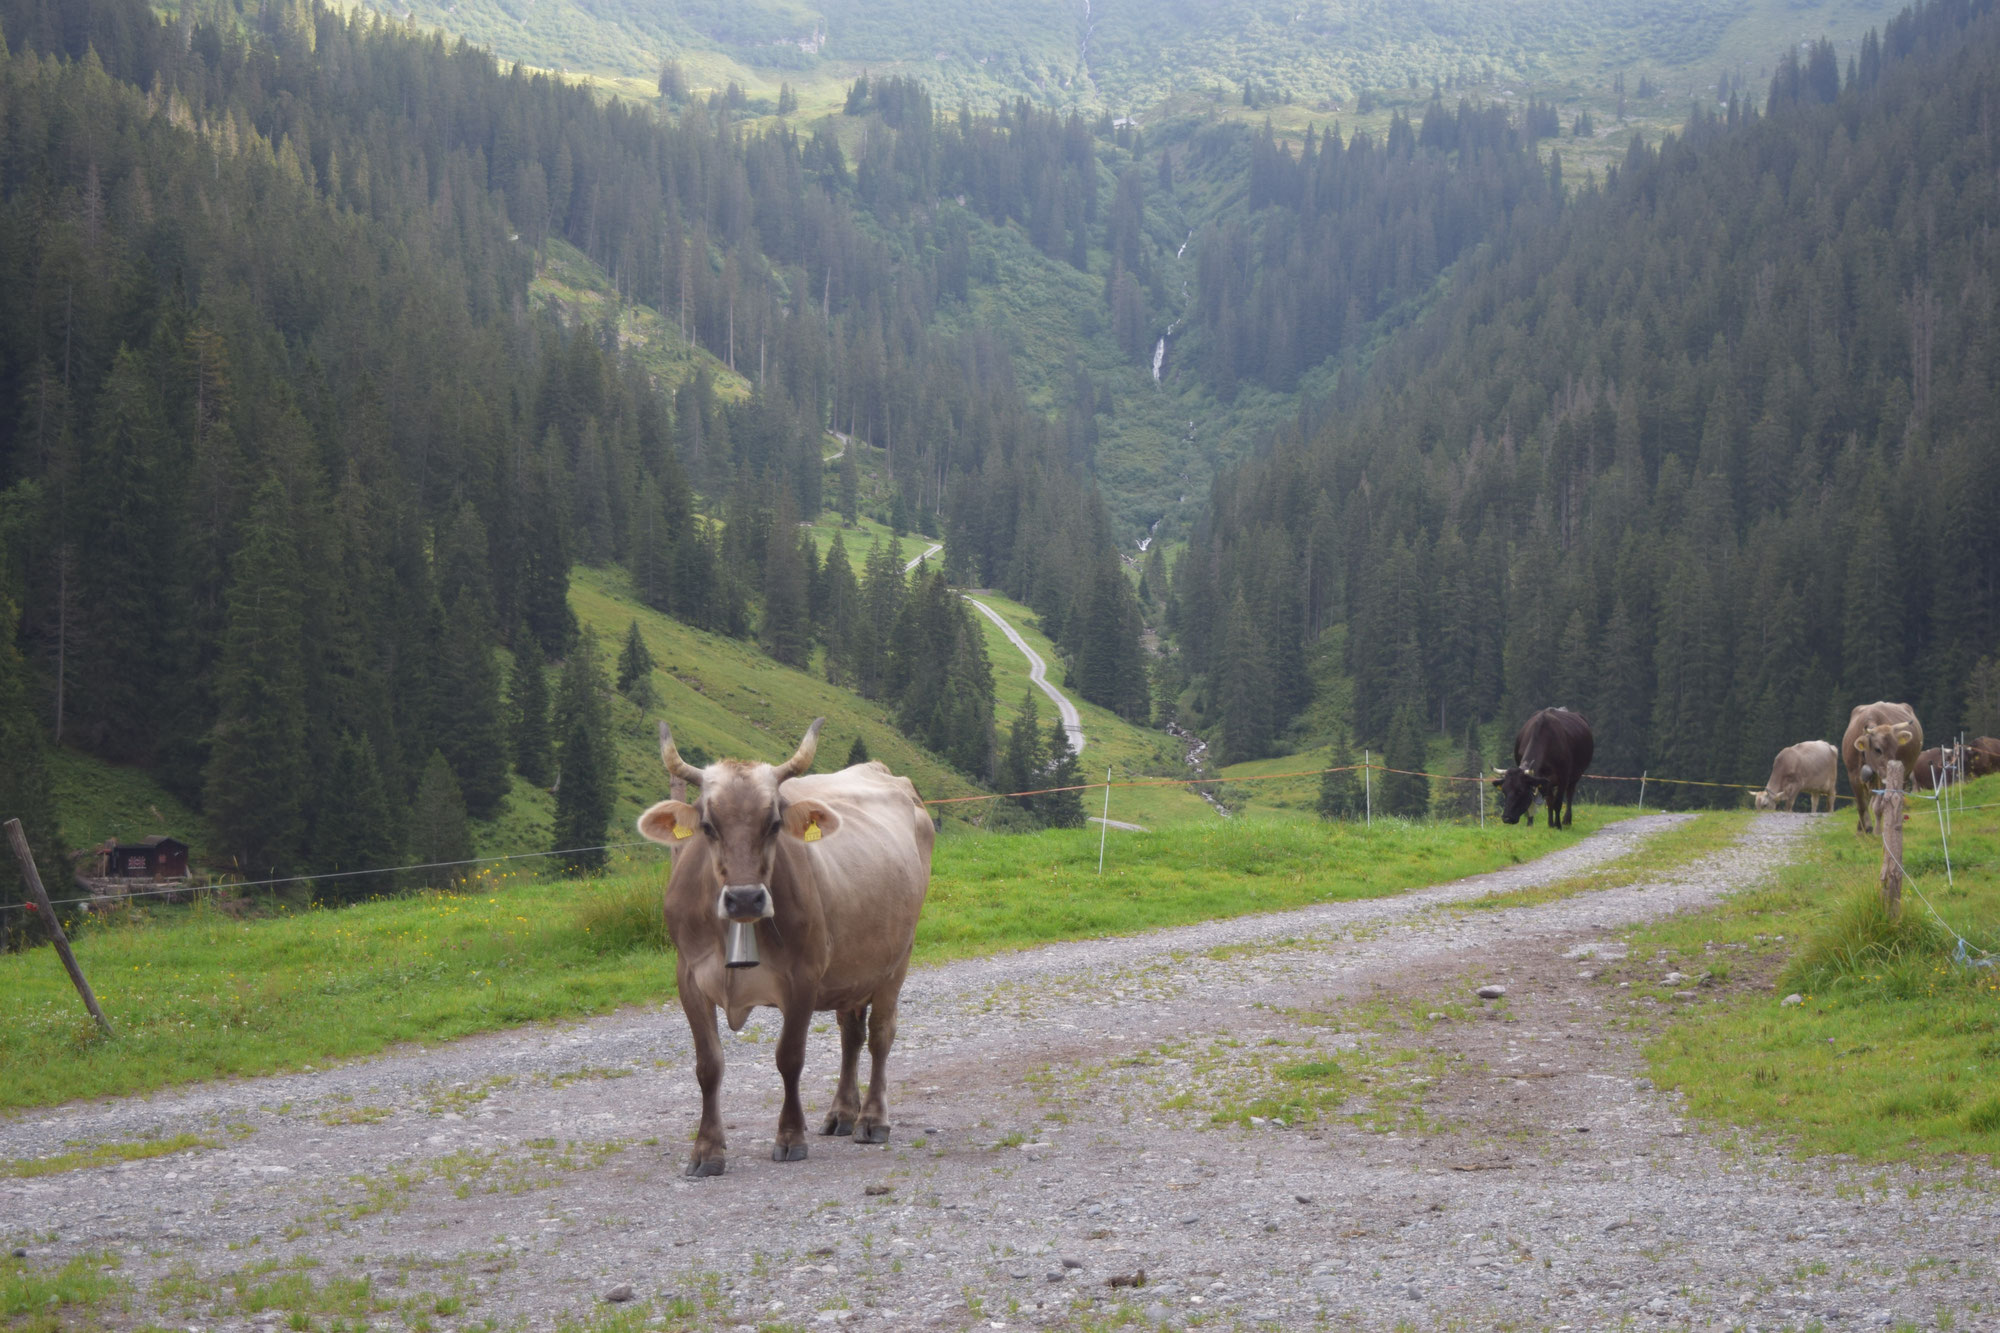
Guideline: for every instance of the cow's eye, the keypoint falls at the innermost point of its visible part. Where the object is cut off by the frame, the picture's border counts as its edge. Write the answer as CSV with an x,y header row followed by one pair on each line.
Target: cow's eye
x,y
707,830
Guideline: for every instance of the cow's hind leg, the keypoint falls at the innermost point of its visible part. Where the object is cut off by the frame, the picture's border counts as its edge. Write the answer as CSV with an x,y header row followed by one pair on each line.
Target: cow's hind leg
x,y
790,1144
873,1126
707,1159
847,1097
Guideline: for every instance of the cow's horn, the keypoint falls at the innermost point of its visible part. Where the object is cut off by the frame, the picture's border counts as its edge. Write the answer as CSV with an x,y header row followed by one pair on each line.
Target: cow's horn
x,y
671,757
1501,771
802,759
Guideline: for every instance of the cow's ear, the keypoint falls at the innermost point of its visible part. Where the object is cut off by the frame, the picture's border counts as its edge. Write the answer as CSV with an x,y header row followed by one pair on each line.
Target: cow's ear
x,y
1902,736
670,822
809,821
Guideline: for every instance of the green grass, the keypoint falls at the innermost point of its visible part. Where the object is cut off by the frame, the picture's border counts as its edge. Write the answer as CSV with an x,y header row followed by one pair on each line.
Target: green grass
x,y
34,1299
102,1154
97,800
197,993
1894,1051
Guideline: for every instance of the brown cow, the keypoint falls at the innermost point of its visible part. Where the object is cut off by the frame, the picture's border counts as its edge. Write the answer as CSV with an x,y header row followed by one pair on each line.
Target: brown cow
x,y
1812,767
1877,733
815,883
1936,767
1982,757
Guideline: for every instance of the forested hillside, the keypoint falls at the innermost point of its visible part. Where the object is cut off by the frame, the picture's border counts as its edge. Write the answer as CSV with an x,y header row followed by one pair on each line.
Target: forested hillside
x,y
287,453
1708,454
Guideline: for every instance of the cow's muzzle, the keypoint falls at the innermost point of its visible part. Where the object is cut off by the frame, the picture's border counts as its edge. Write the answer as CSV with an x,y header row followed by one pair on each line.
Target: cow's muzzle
x,y
745,902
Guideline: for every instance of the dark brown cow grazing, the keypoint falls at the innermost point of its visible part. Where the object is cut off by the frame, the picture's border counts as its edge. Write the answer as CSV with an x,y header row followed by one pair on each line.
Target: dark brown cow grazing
x,y
1982,757
823,878
1877,733
1935,767
1552,752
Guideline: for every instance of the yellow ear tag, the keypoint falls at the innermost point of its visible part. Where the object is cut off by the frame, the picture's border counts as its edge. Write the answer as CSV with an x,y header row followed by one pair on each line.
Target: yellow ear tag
x,y
683,831
812,831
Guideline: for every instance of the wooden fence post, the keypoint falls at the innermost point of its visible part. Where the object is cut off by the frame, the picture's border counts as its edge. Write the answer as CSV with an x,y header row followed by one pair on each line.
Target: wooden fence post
x,y
40,895
1889,823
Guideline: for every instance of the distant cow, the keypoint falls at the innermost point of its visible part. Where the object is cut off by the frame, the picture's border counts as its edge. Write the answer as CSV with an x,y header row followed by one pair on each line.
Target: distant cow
x,y
1877,733
1940,766
815,883
1811,767
1982,757
1551,754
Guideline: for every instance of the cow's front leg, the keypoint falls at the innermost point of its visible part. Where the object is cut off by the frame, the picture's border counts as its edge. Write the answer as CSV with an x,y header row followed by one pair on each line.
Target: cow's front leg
x,y
790,1144
707,1159
1552,798
873,1126
846,1097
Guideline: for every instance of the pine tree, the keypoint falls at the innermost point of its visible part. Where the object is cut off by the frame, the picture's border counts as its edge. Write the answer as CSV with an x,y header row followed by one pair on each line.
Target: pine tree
x,y
1061,809
256,777
353,826
528,710
586,762
857,753
467,719
635,668
440,835
1406,793
1340,794
1247,723
785,633
1022,767
850,485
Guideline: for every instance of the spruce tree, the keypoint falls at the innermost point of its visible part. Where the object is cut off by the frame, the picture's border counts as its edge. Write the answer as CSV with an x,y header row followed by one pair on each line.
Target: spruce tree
x,y
586,761
1406,793
857,753
839,622
1022,767
1061,809
440,835
528,710
1247,724
635,668
354,827
1340,794
785,633
256,776
467,720
850,485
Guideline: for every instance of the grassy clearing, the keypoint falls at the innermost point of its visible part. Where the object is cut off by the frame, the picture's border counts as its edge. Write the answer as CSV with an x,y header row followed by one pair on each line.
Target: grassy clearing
x,y
100,800
197,993
1894,1048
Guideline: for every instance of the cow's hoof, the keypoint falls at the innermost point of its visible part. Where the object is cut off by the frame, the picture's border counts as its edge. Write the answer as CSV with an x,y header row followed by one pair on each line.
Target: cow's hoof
x,y
711,1166
872,1134
795,1153
836,1123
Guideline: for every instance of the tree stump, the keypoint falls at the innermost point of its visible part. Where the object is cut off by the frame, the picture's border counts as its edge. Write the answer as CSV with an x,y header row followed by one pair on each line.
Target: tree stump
x,y
1889,820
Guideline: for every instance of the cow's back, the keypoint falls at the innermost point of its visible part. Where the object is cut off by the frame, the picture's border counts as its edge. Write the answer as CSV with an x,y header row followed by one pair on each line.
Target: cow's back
x,y
1818,765
872,875
1557,738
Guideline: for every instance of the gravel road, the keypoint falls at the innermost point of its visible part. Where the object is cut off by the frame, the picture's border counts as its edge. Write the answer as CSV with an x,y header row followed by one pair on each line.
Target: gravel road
x,y
1504,1165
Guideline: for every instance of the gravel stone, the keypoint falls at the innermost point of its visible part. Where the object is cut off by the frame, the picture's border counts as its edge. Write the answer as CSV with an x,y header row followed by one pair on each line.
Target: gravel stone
x,y
1390,1217
1490,992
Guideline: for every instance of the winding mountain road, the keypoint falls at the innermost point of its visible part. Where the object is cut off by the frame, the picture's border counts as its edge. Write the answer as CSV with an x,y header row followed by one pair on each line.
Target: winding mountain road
x,y
1038,672
929,551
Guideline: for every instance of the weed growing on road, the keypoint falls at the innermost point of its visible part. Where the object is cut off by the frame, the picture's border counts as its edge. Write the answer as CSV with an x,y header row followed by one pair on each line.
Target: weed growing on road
x,y
1679,848
34,1299
104,1154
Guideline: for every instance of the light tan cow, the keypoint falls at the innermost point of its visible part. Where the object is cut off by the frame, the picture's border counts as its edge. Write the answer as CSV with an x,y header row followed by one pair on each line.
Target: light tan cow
x,y
1811,767
1877,733
800,893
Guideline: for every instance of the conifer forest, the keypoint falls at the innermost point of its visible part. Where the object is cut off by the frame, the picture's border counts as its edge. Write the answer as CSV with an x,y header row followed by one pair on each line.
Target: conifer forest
x,y
1320,416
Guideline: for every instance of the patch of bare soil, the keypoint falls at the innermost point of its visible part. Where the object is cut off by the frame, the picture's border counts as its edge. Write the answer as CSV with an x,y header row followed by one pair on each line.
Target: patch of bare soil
x,y
1281,1122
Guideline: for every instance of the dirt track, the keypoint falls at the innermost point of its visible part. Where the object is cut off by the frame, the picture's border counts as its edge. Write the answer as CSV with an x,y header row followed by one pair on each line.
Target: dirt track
x,y
1504,1166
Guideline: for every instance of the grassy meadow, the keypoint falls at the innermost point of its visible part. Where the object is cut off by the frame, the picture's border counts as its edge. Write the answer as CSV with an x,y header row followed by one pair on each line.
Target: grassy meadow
x,y
1893,1049
200,992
